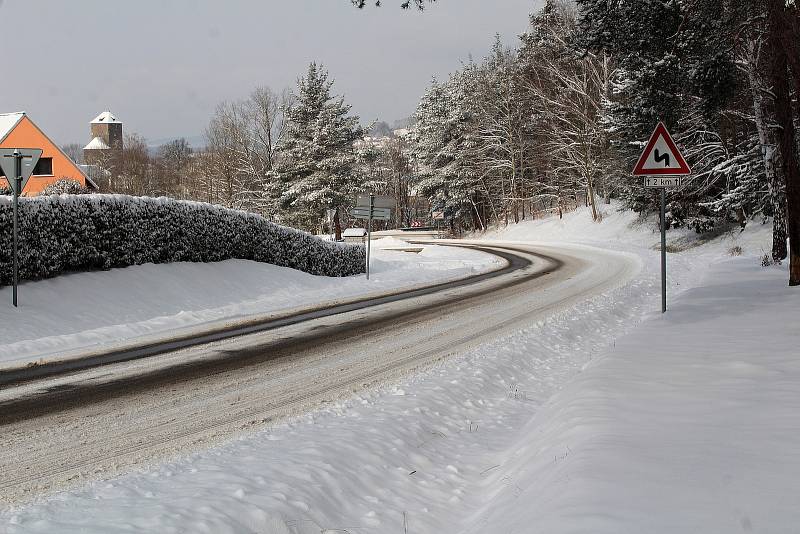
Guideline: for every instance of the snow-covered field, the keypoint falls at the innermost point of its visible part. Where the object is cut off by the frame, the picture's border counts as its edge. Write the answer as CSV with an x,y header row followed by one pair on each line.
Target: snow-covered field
x,y
81,312
606,418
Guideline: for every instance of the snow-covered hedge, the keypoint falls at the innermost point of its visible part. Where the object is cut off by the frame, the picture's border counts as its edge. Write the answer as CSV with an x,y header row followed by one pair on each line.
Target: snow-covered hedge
x,y
86,232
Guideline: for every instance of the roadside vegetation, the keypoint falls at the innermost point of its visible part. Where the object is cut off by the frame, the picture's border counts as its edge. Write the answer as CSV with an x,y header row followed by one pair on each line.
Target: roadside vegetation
x,y
68,233
554,122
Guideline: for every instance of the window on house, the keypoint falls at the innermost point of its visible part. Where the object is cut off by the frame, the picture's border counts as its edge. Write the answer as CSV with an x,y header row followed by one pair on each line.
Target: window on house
x,y
44,167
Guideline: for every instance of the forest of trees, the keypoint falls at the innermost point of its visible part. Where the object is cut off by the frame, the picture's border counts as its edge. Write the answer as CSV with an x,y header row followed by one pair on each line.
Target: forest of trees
x,y
556,121
562,117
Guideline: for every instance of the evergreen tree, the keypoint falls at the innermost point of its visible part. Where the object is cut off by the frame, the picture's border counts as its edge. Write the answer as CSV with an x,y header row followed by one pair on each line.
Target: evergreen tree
x,y
677,64
318,158
674,53
444,138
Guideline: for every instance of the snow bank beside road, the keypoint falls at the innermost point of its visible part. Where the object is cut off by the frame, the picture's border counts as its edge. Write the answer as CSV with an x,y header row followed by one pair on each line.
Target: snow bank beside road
x,y
83,311
625,230
690,424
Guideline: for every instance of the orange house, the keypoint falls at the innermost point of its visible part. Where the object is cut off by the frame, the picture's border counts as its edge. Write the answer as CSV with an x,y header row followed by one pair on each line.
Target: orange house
x,y
17,130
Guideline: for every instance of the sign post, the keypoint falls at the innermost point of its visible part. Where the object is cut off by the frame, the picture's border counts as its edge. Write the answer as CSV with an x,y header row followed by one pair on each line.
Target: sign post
x,y
663,166
17,165
663,250
438,216
371,208
369,228
17,178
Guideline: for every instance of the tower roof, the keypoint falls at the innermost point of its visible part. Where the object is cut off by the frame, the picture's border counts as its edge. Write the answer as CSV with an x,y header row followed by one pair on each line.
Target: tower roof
x,y
96,144
106,118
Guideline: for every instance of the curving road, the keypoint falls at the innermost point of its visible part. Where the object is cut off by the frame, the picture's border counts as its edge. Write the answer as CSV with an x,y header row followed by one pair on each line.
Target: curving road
x,y
95,422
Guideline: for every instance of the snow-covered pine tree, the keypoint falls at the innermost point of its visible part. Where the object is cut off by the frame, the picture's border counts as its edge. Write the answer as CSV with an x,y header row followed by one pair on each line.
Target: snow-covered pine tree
x,y
677,66
443,141
429,138
318,157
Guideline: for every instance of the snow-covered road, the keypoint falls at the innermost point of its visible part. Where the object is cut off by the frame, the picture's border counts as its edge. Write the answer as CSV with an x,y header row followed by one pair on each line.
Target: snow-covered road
x,y
139,413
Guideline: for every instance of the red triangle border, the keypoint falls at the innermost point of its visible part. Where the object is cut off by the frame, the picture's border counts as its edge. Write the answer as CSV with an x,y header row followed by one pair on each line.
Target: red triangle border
x,y
661,131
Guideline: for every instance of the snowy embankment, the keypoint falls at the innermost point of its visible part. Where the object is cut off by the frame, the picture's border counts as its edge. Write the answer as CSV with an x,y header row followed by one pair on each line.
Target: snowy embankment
x,y
584,422
689,424
82,312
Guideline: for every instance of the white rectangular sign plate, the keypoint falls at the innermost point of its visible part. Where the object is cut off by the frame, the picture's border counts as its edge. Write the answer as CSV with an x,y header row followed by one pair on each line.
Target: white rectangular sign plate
x,y
663,181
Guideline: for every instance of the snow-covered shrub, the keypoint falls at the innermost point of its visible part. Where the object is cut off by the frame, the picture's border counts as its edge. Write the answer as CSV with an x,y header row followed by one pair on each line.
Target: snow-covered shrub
x,y
735,251
675,215
65,186
768,261
85,232
5,190
702,225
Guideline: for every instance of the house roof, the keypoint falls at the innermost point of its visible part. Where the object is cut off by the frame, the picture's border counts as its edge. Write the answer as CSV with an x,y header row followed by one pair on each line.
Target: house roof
x,y
105,118
8,121
97,144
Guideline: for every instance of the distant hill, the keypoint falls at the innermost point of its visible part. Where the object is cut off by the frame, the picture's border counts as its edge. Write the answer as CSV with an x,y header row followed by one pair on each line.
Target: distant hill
x,y
408,122
383,129
197,142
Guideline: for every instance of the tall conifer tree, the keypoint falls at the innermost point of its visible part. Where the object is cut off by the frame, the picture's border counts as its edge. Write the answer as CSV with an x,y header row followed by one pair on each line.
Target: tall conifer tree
x,y
319,161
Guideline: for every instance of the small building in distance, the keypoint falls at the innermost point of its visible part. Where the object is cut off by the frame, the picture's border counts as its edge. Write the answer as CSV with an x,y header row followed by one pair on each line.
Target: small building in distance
x,y
101,154
17,130
106,139
355,235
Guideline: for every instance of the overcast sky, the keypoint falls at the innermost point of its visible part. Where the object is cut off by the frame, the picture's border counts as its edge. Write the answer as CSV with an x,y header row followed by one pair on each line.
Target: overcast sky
x,y
162,66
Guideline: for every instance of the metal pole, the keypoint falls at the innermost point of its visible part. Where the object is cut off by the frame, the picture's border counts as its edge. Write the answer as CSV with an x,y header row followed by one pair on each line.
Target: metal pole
x,y
369,228
17,186
663,250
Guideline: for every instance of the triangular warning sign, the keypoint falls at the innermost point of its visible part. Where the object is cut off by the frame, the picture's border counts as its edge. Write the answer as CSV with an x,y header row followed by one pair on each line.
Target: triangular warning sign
x,y
661,156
